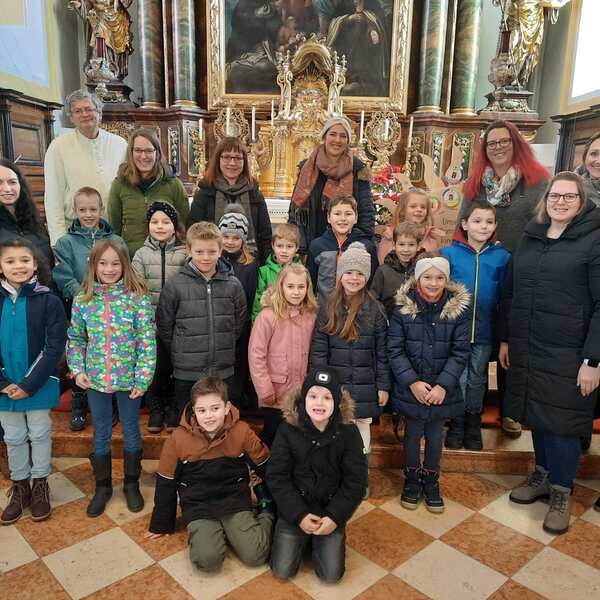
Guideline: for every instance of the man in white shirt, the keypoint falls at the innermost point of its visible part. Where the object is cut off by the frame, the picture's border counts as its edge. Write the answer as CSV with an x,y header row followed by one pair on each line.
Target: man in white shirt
x,y
86,156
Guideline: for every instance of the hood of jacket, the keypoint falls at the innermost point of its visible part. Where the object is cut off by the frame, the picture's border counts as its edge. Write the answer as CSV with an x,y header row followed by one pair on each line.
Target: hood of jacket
x,y
297,417
31,288
104,230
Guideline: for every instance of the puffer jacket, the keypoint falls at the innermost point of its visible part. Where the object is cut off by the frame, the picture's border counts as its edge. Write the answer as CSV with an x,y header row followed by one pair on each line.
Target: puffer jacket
x,y
362,364
10,229
210,475
323,473
388,278
112,339
429,243
157,262
200,321
429,342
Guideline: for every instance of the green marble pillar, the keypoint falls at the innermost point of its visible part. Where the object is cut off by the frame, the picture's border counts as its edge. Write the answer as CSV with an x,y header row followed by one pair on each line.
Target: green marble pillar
x,y
466,57
184,49
431,66
151,50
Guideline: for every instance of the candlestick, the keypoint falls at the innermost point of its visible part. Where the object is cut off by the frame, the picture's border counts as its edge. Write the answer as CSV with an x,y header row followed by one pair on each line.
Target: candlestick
x,y
253,138
272,113
410,131
361,137
386,130
227,118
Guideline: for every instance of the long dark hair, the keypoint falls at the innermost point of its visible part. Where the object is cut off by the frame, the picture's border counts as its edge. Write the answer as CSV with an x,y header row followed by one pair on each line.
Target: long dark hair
x,y
43,270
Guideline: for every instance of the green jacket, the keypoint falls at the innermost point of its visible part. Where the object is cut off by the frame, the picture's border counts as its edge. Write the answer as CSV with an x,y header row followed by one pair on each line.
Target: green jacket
x,y
127,207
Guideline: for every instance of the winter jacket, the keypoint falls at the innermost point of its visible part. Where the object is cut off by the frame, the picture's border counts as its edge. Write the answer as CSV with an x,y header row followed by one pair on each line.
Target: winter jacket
x,y
33,334
203,209
200,321
127,206
483,273
247,274
73,253
323,258
388,278
386,244
210,476
112,339
428,342
312,218
10,229
278,353
362,364
553,308
323,473
156,262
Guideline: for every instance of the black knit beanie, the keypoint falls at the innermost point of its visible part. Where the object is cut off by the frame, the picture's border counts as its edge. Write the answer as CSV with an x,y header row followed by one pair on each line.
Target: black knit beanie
x,y
165,207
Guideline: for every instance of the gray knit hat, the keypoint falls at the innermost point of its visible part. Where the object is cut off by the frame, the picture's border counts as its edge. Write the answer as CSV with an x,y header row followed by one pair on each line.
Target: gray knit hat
x,y
355,258
331,121
234,222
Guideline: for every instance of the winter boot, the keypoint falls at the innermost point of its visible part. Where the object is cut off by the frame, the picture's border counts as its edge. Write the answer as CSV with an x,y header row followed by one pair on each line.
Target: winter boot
x,y
171,417
559,514
79,407
40,499
413,489
472,437
511,427
535,487
102,466
456,433
157,414
20,499
386,429
586,442
131,486
431,490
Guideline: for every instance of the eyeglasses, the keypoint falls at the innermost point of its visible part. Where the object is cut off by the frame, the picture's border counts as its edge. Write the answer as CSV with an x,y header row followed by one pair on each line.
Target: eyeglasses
x,y
503,143
83,111
568,198
141,151
234,159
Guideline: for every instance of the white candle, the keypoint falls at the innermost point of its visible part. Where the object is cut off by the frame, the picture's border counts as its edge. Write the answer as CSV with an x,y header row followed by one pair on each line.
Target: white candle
x,y
227,118
272,113
253,124
362,127
341,106
410,130
386,130
201,130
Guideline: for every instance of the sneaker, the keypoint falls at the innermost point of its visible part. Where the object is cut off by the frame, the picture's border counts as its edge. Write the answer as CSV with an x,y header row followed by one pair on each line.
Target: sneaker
x,y
511,428
536,486
20,499
431,490
559,514
40,499
413,490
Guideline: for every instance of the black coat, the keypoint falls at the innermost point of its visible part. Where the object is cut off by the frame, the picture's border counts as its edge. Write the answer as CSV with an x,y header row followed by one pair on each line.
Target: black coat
x,y
553,308
10,229
388,278
203,209
362,364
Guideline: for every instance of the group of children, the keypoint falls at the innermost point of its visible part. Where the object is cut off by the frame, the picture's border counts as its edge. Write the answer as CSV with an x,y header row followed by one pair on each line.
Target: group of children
x,y
321,370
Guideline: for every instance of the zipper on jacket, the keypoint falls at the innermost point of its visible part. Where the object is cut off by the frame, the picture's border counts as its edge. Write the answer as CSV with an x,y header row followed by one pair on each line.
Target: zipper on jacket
x,y
211,327
107,346
163,256
475,291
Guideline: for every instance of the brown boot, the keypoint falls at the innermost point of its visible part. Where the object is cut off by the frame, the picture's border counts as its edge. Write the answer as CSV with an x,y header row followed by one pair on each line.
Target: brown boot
x,y
20,499
386,429
40,499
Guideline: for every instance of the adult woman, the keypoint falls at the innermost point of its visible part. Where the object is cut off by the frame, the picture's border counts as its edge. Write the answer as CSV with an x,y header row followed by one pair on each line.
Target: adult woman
x,y
330,169
552,342
19,217
143,178
590,168
227,181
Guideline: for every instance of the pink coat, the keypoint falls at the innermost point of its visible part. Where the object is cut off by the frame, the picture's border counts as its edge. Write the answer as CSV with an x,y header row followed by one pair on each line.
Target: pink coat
x,y
278,354
386,245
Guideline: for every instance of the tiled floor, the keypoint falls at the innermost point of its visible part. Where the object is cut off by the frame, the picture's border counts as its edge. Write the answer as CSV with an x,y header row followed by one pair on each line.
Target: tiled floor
x,y
480,547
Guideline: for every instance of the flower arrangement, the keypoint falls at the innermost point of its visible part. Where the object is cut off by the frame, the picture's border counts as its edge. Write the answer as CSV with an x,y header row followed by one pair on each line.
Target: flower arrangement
x,y
387,185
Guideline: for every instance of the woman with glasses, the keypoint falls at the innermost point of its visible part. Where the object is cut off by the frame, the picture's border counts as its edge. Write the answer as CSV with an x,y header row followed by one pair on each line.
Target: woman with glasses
x,y
143,178
551,340
228,181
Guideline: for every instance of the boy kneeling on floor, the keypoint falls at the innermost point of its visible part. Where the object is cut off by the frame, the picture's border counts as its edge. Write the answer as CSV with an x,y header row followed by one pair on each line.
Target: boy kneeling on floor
x,y
207,460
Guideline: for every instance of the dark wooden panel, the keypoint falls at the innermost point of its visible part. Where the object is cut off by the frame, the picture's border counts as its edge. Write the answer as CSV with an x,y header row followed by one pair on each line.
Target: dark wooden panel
x,y
27,143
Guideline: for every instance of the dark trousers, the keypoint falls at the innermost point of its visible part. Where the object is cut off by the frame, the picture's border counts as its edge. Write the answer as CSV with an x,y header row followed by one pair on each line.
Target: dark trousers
x,y
159,393
558,454
183,389
273,418
328,552
414,430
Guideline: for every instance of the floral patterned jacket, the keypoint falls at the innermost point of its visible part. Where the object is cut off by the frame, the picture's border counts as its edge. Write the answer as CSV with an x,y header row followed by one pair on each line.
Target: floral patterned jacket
x,y
112,339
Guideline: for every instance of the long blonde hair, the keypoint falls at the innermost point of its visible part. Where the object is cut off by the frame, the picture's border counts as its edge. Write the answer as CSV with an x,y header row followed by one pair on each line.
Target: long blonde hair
x,y
246,257
275,298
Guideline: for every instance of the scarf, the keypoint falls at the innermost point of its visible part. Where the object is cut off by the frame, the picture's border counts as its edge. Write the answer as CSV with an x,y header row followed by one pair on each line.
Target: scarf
x,y
498,189
240,191
426,297
594,182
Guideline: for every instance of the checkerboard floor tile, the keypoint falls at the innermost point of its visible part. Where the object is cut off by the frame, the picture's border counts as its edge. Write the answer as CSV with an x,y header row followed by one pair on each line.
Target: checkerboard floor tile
x,y
482,547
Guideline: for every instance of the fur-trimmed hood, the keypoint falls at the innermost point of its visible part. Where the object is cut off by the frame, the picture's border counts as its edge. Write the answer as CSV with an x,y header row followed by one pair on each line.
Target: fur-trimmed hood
x,y
292,416
457,300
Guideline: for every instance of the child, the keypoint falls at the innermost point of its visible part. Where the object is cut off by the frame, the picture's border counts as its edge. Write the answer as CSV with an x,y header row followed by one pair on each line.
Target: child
x,y
414,206
481,267
206,461
428,347
351,336
280,342
317,475
286,240
112,350
201,314
161,256
324,251
33,333
73,251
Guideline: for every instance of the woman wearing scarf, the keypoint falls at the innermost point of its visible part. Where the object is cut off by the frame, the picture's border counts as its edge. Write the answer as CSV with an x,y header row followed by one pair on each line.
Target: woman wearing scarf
x,y
228,181
590,168
331,169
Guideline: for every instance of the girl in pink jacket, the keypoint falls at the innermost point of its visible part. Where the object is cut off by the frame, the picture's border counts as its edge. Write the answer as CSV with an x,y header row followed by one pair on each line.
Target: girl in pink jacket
x,y
280,342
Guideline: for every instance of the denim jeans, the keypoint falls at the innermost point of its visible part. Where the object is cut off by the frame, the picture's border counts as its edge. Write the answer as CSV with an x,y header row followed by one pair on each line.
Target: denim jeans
x,y
414,430
558,454
328,552
21,429
129,415
473,381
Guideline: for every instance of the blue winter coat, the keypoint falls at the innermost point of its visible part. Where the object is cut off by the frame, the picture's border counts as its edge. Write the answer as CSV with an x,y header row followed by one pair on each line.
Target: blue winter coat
x,y
483,274
33,336
428,342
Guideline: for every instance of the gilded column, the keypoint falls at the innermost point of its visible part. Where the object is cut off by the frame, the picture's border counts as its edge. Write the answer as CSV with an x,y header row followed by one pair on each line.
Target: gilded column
x,y
431,67
184,49
466,57
151,50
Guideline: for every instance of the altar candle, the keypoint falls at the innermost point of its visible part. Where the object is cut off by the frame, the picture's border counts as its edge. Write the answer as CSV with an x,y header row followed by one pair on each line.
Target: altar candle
x,y
227,119
272,113
253,124
362,127
386,130
115,5
201,130
341,106
410,130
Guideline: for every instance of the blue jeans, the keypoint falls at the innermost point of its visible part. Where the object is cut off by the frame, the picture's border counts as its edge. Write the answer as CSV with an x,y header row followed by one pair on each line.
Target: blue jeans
x,y
558,454
21,429
473,381
129,415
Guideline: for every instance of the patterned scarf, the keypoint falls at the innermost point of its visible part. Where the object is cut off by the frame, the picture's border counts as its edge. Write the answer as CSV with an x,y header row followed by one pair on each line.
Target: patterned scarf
x,y
498,189
238,193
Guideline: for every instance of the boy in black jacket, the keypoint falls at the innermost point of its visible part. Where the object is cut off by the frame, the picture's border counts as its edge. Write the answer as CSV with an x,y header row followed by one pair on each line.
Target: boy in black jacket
x,y
317,475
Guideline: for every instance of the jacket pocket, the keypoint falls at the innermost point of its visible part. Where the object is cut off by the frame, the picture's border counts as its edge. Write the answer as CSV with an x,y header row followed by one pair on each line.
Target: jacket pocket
x,y
278,368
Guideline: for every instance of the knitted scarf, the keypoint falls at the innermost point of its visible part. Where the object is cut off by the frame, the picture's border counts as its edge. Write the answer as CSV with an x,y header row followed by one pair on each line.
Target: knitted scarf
x,y
238,193
498,189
